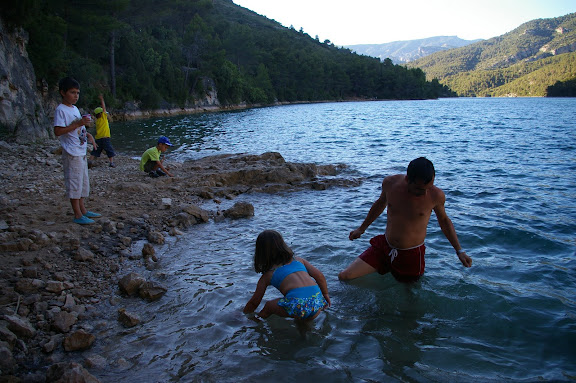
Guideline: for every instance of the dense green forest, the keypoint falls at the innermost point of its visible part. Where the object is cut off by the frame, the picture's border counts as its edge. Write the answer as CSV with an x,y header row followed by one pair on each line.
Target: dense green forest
x,y
523,62
521,79
562,89
159,53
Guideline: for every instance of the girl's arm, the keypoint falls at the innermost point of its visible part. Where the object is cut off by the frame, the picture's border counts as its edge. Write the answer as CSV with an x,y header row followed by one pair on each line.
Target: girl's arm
x,y
253,303
318,277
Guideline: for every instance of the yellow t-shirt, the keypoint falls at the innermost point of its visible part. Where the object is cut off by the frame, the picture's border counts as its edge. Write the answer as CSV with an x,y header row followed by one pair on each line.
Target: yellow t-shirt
x,y
152,154
102,127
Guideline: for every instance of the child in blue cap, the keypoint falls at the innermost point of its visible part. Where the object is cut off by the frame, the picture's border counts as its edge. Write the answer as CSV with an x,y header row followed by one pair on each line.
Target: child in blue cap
x,y
151,162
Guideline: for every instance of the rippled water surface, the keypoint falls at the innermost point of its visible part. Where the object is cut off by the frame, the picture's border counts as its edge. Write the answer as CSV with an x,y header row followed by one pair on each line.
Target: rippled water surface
x,y
508,167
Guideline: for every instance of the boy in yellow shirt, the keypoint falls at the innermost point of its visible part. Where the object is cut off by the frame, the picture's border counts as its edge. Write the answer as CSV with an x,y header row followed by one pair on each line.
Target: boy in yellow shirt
x,y
102,135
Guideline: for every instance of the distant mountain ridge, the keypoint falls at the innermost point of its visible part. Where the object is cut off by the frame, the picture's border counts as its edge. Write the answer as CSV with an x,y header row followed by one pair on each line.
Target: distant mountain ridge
x,y
522,62
401,52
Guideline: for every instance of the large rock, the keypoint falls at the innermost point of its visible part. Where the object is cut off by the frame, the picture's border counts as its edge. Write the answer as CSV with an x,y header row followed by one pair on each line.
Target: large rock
x,y
63,321
20,326
240,210
21,109
79,340
196,212
127,318
69,373
130,283
152,291
6,358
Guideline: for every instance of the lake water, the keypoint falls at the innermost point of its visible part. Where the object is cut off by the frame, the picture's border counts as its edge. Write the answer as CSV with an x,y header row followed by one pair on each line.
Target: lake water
x,y
508,168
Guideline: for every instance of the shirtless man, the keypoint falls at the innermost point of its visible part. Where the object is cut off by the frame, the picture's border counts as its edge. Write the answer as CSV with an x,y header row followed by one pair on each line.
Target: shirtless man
x,y
410,200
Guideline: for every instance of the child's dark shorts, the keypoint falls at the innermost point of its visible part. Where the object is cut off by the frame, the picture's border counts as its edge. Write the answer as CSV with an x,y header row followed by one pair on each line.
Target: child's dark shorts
x,y
150,165
406,265
106,145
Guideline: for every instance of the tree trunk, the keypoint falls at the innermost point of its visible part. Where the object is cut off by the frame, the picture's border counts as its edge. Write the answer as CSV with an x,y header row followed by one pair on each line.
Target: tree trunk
x,y
113,64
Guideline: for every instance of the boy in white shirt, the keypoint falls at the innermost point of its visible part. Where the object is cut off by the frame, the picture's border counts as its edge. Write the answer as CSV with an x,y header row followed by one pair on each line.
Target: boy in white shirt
x,y
69,127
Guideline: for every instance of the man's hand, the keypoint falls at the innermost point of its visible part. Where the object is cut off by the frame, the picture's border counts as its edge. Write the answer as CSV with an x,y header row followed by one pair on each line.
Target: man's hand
x,y
355,234
465,259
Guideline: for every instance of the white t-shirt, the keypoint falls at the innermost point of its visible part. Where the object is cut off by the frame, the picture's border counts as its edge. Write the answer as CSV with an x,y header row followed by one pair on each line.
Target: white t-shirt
x,y
74,142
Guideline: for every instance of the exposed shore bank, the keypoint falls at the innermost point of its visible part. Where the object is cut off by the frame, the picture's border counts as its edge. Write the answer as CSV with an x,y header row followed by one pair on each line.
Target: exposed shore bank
x,y
56,275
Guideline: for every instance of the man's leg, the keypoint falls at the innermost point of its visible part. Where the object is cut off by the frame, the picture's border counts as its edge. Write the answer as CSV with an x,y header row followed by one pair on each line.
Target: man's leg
x,y
356,269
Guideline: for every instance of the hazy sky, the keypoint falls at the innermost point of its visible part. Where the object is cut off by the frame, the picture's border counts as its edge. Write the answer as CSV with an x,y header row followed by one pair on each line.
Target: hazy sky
x,y
346,22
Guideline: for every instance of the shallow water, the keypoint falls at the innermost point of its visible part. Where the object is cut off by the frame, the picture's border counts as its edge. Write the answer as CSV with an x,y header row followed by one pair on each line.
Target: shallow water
x,y
508,169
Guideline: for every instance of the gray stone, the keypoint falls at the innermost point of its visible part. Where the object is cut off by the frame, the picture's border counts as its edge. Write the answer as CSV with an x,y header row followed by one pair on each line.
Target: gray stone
x,y
63,321
196,212
69,373
6,359
128,319
20,326
79,340
84,255
240,210
152,291
156,237
130,283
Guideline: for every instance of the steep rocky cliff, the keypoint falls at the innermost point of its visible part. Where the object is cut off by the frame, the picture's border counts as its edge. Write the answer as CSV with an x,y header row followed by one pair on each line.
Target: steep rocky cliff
x,y
22,114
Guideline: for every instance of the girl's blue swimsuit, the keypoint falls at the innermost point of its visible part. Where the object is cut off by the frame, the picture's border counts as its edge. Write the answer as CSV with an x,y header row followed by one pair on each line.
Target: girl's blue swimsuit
x,y
301,302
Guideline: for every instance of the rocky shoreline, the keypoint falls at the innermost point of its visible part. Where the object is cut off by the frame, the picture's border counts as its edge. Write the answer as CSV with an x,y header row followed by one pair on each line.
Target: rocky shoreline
x,y
56,275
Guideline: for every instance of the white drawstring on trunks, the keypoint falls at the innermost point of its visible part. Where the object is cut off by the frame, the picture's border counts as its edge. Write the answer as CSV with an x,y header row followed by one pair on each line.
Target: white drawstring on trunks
x,y
394,251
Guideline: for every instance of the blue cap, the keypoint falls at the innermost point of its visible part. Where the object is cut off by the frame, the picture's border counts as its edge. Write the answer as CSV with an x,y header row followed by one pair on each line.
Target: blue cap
x,y
164,140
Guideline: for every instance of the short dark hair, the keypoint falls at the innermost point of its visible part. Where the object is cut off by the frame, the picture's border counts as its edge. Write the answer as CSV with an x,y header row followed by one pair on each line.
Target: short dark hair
x,y
420,169
271,250
67,83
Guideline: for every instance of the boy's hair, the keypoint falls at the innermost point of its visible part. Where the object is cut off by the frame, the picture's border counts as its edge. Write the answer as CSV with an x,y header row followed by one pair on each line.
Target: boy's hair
x,y
420,169
271,250
67,83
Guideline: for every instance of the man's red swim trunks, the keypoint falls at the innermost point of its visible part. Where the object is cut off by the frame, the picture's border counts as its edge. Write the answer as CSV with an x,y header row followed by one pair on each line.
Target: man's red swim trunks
x,y
406,265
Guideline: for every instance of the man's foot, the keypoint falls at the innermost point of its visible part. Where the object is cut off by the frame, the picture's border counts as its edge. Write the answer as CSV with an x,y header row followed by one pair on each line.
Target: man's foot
x,y
153,174
90,164
90,214
160,172
112,165
83,221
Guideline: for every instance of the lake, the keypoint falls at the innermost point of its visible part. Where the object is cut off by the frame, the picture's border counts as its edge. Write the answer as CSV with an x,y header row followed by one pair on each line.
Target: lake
x,y
508,168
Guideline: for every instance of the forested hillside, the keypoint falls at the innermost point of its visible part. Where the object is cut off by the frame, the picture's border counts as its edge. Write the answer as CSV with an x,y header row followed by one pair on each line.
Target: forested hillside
x,y
165,53
523,62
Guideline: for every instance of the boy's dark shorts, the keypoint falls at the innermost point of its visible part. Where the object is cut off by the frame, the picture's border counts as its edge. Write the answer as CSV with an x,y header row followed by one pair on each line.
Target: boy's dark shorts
x,y
106,145
149,166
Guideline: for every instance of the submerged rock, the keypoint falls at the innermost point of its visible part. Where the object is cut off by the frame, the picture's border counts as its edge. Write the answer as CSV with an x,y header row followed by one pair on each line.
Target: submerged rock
x,y
69,373
240,210
79,340
152,291
128,319
130,284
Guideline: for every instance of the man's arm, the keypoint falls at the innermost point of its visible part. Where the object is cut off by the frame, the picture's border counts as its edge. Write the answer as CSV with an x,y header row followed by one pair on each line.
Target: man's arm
x,y
448,229
376,209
